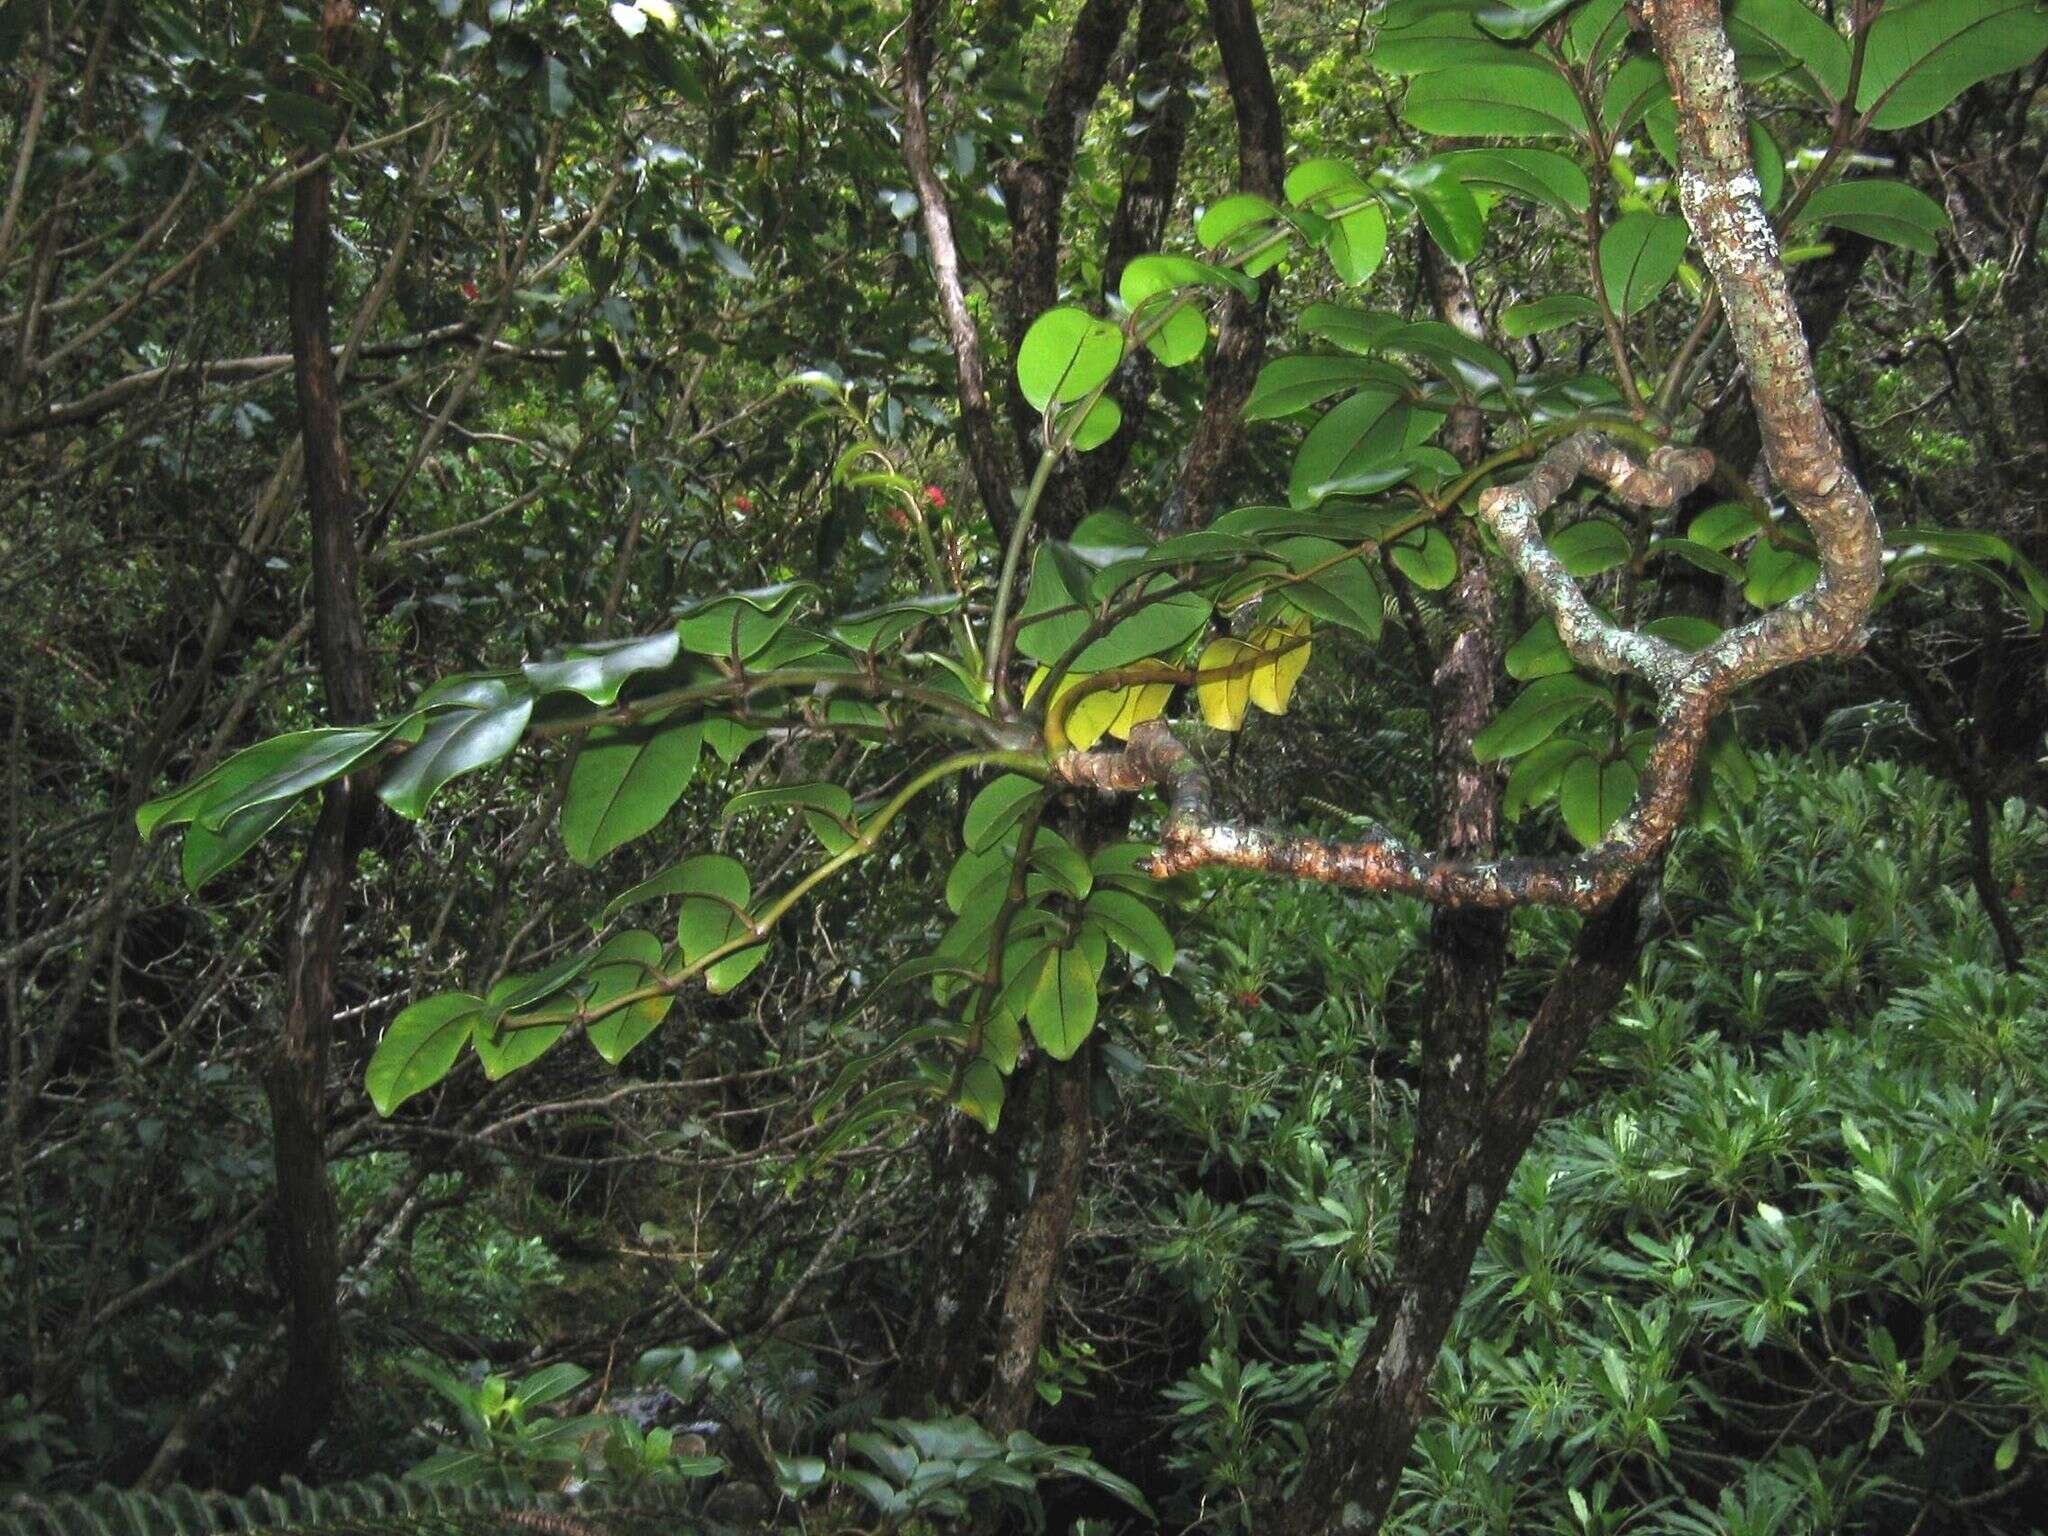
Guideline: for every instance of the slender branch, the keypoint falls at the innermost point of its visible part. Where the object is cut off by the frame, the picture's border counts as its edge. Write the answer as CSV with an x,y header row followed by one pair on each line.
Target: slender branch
x,y
992,468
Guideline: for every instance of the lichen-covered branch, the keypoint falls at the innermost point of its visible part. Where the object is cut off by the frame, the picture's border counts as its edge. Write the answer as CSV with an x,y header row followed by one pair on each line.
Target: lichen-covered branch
x,y
1719,192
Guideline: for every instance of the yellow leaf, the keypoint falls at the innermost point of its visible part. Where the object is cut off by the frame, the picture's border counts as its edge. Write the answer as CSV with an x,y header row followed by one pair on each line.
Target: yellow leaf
x,y
1142,701
1286,643
1225,696
1091,717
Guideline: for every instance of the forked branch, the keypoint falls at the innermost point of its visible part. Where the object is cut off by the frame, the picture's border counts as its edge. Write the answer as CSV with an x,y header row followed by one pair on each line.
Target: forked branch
x,y
1719,192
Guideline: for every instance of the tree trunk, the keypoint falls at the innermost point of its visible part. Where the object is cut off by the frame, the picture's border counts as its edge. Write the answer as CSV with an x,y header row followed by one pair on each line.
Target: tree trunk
x,y
1041,1243
1241,335
305,1241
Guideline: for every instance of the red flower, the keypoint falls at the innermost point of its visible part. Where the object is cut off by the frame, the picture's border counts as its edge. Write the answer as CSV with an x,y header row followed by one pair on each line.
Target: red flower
x,y
743,503
935,498
469,291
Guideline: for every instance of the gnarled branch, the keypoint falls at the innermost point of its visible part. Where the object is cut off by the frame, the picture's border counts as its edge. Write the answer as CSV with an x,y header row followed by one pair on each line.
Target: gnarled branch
x,y
1719,192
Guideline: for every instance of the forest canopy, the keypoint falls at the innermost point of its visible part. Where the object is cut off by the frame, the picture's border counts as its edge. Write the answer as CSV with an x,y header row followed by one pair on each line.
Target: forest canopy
x,y
1103,765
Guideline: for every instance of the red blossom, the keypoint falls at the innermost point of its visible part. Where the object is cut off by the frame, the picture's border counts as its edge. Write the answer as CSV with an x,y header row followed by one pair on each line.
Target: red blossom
x,y
744,503
935,498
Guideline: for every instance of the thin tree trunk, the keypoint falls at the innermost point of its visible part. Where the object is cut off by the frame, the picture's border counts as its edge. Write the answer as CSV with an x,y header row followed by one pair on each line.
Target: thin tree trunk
x,y
305,1237
1241,334
1041,1243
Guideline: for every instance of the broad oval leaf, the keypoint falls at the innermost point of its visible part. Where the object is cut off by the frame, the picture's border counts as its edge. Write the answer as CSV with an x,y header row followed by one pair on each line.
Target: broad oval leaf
x,y
1065,354
1639,255
420,1047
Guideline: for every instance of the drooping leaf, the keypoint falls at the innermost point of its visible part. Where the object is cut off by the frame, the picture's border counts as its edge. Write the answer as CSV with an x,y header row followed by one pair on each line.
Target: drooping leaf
x,y
1890,211
456,741
599,671
1592,795
627,963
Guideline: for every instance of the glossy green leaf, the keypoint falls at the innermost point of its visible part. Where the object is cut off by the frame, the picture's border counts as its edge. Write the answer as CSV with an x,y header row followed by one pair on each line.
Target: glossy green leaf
x,y
1291,384
981,1098
1547,314
1510,96
1534,778
1538,653
739,624
1922,54
1000,805
1777,575
1590,546
1134,925
1795,40
1426,558
598,672
1884,210
455,741
1541,175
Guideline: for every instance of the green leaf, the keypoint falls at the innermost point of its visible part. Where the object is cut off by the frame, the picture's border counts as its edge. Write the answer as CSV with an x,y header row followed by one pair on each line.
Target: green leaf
x,y
1639,255
876,629
1590,546
250,775
1521,18
1134,925
1535,714
1342,591
1547,314
1001,805
420,1047
1231,225
1426,558
1506,96
1536,774
1062,1006
1794,40
1591,796
1920,55
1539,653
827,808
1449,212
1724,525
207,852
1778,575
1357,243
1541,175
456,741
1355,330
505,1050
599,671
1696,554
625,780
981,1097
1159,628
1148,287
1065,354
713,913
1687,631
1094,428
628,962
739,624
1889,211
1291,384
1355,439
